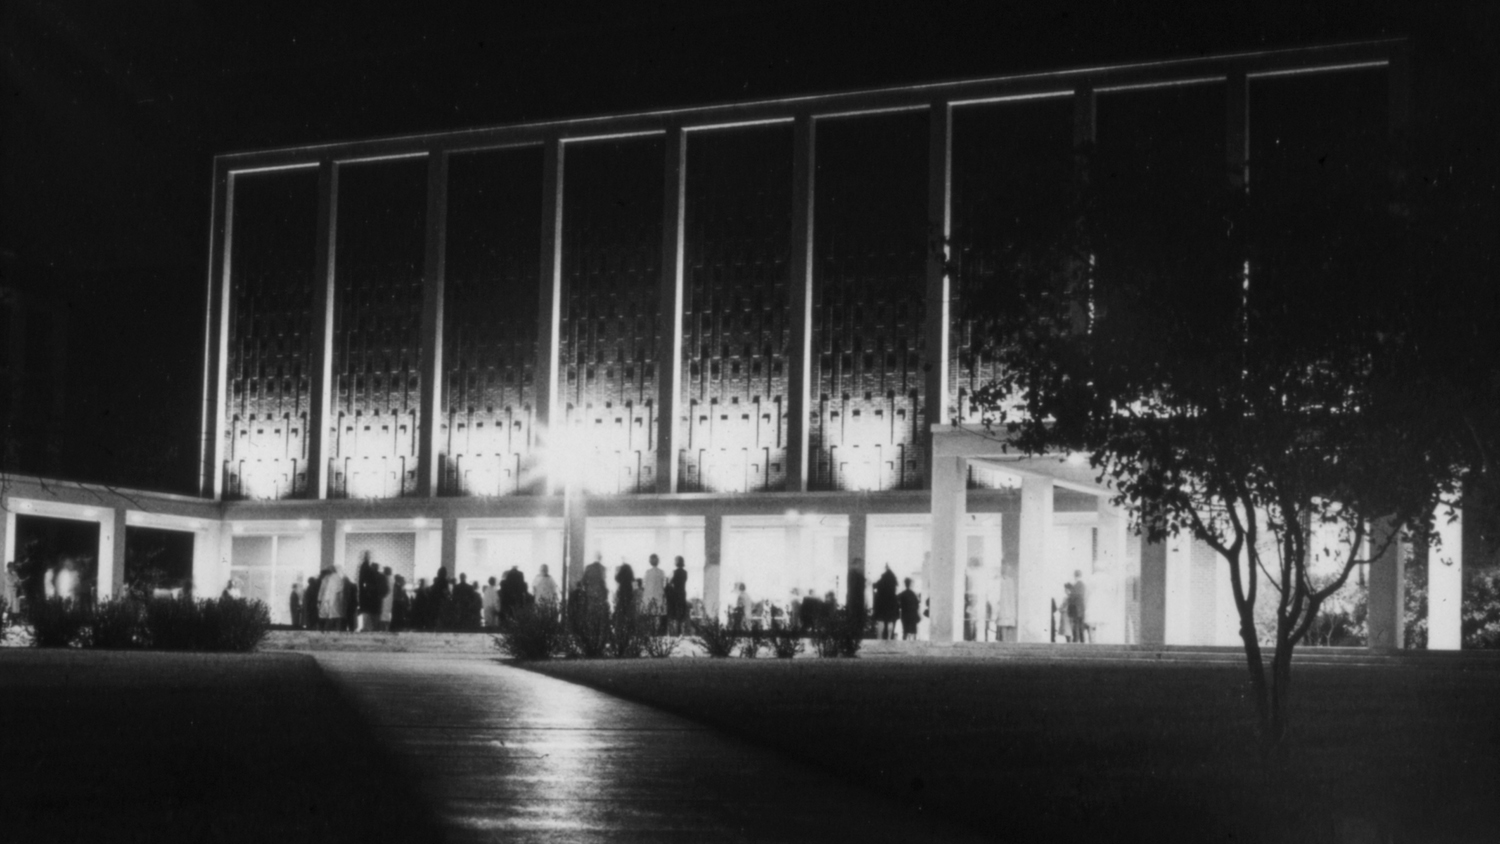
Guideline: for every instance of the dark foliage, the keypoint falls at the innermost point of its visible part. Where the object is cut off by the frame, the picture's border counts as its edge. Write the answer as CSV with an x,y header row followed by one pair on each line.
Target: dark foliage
x,y
57,622
716,636
533,632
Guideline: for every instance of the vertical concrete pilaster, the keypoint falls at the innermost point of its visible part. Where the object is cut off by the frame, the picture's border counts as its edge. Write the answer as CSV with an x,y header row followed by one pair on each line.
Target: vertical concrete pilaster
x,y
939,285
216,336
1387,593
319,444
669,341
549,316
799,316
713,547
1033,594
434,279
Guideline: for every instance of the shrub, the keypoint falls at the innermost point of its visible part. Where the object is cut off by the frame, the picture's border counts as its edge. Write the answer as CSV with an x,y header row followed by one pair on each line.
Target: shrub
x,y
660,645
57,622
213,624
715,636
751,641
786,640
173,624
589,633
841,632
533,632
118,622
234,624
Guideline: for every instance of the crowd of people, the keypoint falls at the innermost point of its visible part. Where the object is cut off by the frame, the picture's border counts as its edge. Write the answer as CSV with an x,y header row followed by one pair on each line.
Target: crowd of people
x,y
377,599
655,595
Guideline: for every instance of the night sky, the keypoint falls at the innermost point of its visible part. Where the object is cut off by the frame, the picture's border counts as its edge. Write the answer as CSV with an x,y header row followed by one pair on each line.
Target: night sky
x,y
113,112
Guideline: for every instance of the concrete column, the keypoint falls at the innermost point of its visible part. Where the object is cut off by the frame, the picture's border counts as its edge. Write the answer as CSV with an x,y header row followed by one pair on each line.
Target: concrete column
x,y
939,286
320,406
1387,596
216,337
1153,592
330,538
859,526
669,341
1106,600
448,549
110,572
713,547
7,533
1178,612
945,574
429,429
1010,566
209,555
549,317
800,285
1033,593
1445,582
577,528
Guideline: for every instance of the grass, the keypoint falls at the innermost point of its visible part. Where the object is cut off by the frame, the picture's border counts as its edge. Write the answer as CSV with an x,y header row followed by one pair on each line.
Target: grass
x,y
116,746
1103,751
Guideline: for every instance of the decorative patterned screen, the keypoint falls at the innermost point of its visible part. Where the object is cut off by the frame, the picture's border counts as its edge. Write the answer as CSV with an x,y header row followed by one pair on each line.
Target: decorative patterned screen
x,y
612,235
735,330
1011,162
870,242
377,348
270,354
490,322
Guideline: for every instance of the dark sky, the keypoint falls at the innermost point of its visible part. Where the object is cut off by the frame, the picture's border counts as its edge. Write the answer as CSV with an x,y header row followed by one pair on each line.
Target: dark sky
x,y
113,112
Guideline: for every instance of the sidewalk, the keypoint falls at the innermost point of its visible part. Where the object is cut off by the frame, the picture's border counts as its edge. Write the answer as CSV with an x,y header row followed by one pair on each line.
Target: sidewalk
x,y
501,753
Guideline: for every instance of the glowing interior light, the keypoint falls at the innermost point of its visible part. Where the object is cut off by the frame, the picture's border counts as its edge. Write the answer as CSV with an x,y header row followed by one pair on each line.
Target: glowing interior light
x,y
419,522
540,521
239,528
792,515
1077,458
672,519
304,523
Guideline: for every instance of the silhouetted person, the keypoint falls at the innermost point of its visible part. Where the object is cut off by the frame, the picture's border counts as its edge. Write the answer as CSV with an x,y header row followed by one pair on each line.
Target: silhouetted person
x,y
625,589
677,602
400,604
310,604
294,606
887,610
1078,609
595,590
387,597
512,593
911,611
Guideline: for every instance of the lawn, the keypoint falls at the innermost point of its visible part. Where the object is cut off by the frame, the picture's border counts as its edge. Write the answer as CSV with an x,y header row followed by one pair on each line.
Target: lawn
x,y
1109,751
110,746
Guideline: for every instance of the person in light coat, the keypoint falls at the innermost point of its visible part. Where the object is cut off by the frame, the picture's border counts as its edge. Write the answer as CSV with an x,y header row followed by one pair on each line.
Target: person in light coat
x,y
331,599
544,589
654,592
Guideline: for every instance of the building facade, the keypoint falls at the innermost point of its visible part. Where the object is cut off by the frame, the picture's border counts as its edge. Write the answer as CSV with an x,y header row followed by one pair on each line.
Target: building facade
x,y
733,334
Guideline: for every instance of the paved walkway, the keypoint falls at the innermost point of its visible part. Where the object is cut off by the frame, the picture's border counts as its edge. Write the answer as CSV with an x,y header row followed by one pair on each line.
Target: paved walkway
x,y
503,754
